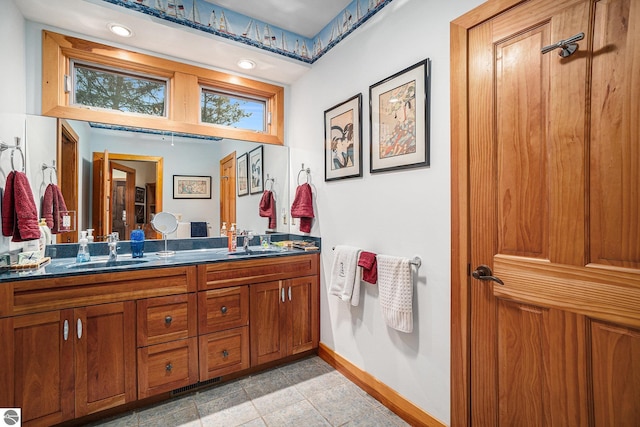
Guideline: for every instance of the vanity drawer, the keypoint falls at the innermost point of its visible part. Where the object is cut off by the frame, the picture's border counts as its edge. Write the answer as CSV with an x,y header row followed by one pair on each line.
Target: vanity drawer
x,y
166,319
166,367
223,353
222,309
246,272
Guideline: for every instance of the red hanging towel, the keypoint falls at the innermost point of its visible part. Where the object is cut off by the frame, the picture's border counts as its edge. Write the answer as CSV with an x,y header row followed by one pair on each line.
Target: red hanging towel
x,y
52,204
19,213
369,266
302,207
268,208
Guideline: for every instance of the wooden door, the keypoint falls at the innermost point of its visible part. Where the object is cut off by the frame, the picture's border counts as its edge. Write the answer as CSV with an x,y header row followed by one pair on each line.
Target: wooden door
x,y
36,366
67,173
123,216
105,356
101,205
303,303
228,190
267,317
553,211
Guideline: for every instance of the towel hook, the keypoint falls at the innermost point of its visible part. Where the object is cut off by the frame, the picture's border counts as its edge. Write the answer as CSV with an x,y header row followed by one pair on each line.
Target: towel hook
x,y
307,170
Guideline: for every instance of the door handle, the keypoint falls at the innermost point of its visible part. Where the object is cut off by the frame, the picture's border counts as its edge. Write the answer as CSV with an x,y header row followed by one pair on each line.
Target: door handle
x,y
483,272
79,328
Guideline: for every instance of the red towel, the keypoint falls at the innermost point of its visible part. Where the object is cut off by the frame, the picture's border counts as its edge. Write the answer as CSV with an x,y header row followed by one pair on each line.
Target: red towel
x,y
369,266
268,208
52,204
302,207
19,213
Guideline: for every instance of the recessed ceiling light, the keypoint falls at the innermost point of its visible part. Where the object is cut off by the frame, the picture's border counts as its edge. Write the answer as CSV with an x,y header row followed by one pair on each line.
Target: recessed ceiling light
x,y
120,30
246,64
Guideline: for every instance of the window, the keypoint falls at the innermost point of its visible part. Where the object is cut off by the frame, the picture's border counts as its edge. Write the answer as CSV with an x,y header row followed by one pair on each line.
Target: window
x,y
116,90
232,110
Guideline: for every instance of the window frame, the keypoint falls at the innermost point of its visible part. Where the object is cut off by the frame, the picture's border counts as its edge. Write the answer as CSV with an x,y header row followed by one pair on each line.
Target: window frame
x,y
73,64
238,96
185,80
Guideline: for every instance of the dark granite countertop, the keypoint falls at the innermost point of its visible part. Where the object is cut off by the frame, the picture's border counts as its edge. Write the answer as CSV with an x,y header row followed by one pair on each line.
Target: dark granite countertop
x,y
187,252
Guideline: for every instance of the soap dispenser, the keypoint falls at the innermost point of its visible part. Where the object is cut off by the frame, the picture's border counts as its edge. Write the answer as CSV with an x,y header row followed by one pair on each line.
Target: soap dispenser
x,y
223,230
83,249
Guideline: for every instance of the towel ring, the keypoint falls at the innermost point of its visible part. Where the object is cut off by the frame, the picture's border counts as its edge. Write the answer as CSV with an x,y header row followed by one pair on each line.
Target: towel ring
x,y
51,170
272,180
307,170
5,146
21,155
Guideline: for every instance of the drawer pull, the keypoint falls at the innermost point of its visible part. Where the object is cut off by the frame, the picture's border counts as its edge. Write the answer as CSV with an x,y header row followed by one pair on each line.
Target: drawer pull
x,y
225,353
65,329
169,367
224,309
168,320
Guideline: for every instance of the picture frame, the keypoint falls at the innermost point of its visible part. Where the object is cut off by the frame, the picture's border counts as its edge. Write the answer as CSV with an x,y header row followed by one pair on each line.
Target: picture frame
x,y
399,120
255,171
139,196
343,140
139,211
191,187
242,177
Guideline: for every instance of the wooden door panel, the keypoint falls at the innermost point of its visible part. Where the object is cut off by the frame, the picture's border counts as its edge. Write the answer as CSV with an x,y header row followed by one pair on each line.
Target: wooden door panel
x,y
40,361
616,374
303,313
522,174
268,322
105,357
615,129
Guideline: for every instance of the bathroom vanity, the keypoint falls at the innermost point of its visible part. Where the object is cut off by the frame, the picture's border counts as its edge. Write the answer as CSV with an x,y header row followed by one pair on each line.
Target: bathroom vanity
x,y
79,340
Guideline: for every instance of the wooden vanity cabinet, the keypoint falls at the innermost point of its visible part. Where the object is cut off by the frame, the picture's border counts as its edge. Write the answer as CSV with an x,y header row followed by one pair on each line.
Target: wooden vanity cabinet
x,y
69,363
284,318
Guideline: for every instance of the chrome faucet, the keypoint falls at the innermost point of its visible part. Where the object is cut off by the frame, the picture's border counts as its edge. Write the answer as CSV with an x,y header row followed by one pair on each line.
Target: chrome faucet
x,y
112,242
248,235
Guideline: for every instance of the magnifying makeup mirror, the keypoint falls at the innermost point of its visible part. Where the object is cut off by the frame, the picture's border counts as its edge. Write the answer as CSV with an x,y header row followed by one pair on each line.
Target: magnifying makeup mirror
x,y
165,223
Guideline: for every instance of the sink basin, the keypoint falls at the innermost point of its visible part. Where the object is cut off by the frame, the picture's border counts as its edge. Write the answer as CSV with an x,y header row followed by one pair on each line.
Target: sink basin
x,y
250,252
106,264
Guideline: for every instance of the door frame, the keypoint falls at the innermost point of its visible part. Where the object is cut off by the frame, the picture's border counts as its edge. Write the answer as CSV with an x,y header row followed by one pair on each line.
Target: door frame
x,y
460,377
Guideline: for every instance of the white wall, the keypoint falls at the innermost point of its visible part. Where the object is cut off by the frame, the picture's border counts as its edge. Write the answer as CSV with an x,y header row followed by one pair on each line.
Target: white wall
x,y
403,213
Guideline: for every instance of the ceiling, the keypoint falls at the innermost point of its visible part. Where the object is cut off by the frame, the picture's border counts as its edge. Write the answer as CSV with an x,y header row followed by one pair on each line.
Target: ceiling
x,y
89,18
306,17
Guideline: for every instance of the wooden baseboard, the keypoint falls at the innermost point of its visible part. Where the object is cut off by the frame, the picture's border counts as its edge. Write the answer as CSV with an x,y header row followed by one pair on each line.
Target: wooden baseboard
x,y
380,391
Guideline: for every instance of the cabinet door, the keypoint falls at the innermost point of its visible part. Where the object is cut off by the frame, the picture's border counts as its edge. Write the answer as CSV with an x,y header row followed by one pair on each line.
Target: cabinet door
x,y
302,314
36,366
268,322
105,356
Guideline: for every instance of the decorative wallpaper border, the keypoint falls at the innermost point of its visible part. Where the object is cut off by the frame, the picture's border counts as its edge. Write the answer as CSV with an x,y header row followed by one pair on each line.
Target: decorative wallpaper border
x,y
222,22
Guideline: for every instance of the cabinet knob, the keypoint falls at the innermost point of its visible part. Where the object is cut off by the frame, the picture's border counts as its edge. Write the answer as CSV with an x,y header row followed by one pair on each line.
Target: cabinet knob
x,y
225,353
168,320
169,367
224,309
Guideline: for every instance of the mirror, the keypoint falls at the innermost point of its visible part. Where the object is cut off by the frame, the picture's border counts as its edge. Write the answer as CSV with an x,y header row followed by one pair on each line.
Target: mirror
x,y
145,164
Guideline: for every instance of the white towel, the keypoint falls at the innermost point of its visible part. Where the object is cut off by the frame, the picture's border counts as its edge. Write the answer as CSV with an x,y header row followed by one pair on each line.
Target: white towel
x,y
396,292
345,274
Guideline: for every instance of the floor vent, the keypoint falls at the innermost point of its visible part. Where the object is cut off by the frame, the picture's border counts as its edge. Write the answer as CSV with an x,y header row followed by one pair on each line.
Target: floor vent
x,y
195,386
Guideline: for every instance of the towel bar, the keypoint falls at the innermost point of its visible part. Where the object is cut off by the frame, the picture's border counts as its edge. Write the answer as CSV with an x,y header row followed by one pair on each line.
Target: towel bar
x,y
417,261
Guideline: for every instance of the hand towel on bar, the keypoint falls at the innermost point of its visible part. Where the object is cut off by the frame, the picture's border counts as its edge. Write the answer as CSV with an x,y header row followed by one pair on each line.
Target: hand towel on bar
x,y
19,213
367,261
198,229
52,204
396,292
267,208
345,274
302,207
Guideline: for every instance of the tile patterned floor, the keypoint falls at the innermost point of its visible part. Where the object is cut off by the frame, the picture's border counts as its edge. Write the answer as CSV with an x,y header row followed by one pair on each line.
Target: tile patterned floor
x,y
305,393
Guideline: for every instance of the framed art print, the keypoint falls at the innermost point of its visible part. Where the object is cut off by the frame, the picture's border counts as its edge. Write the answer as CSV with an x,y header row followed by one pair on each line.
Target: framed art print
x,y
255,170
399,120
241,175
191,187
343,140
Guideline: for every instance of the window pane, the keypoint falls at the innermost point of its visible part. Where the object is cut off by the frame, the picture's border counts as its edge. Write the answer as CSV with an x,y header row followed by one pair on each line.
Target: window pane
x,y
232,110
96,87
